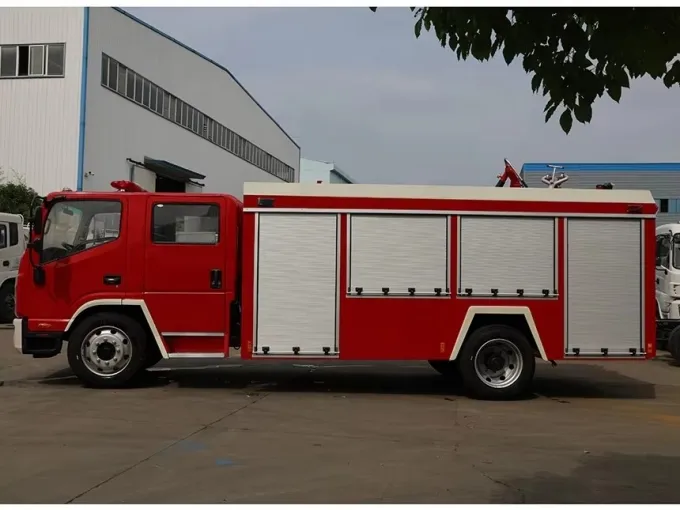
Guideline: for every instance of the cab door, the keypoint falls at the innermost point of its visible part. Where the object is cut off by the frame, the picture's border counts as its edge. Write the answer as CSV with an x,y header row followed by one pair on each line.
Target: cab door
x,y
184,272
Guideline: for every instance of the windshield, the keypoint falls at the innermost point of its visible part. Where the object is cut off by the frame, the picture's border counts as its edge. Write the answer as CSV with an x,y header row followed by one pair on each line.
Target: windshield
x,y
676,253
75,225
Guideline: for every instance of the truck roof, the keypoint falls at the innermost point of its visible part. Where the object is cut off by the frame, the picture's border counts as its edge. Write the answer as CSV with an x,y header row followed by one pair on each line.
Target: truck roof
x,y
484,193
673,228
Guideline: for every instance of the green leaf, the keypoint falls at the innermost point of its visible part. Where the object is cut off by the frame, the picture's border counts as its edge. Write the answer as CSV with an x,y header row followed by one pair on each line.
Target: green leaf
x,y
583,111
668,80
418,27
509,52
550,110
614,91
566,121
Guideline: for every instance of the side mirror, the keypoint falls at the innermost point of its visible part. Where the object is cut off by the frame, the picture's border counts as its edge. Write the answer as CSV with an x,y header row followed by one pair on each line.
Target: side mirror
x,y
37,221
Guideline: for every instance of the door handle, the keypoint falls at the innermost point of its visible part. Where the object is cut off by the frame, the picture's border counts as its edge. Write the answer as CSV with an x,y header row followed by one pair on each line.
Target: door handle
x,y
112,279
215,278
5,263
657,280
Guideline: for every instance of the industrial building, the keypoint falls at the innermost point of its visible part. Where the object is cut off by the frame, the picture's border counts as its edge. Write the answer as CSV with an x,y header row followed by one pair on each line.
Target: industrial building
x,y
91,95
661,179
322,172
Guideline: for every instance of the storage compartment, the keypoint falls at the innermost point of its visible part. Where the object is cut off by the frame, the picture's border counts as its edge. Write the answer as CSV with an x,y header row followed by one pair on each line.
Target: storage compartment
x,y
507,254
604,287
398,253
296,297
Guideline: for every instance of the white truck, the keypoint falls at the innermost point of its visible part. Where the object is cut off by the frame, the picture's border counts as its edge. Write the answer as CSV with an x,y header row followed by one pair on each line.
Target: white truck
x,y
13,241
668,288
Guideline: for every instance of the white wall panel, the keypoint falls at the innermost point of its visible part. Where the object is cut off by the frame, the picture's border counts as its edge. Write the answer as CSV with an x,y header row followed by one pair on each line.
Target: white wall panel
x,y
507,253
193,188
117,128
398,252
604,290
145,178
296,283
40,117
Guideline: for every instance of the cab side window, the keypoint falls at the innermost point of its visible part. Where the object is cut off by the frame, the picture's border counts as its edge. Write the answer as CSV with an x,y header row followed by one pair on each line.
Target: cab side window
x,y
175,223
663,251
3,236
13,234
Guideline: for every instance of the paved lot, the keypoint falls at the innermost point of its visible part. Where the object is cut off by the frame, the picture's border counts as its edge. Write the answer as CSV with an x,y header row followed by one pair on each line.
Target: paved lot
x,y
354,433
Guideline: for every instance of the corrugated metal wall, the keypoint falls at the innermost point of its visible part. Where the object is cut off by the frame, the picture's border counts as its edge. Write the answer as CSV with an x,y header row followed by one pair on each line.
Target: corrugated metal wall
x,y
39,116
118,128
664,184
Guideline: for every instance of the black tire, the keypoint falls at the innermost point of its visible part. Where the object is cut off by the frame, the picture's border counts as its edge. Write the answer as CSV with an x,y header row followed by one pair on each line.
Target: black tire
x,y
447,368
152,357
475,385
674,343
130,328
7,303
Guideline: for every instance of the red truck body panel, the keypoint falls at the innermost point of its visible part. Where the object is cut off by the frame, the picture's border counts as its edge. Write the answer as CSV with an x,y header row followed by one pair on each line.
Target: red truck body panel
x,y
412,328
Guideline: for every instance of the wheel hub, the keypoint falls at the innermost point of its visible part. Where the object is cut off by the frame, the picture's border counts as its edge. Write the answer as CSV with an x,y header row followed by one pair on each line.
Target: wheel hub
x,y
498,363
495,363
106,351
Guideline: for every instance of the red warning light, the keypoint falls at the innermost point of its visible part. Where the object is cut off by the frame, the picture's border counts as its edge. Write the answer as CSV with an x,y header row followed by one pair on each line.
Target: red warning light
x,y
127,186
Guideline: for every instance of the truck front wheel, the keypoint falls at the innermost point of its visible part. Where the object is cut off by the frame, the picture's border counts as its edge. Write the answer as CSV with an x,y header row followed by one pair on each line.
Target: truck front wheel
x,y
107,350
449,369
497,363
7,303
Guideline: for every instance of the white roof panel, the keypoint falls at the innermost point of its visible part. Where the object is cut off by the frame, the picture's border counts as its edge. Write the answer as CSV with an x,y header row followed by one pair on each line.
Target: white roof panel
x,y
449,192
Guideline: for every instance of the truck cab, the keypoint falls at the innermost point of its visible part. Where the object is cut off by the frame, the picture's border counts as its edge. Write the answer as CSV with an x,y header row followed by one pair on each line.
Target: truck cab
x,y
103,264
13,240
667,280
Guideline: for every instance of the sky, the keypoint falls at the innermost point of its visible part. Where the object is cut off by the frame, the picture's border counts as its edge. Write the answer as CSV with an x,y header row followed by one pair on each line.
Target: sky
x,y
357,88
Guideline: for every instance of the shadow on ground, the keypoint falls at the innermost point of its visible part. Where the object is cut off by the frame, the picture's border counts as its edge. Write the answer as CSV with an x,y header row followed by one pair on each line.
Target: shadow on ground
x,y
611,478
560,384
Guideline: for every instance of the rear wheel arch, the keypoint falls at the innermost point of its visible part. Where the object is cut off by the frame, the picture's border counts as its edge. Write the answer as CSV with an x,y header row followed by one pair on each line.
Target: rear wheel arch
x,y
518,317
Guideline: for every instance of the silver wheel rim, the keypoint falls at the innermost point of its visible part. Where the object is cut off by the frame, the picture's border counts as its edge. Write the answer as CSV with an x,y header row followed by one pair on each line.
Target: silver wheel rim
x,y
106,351
498,363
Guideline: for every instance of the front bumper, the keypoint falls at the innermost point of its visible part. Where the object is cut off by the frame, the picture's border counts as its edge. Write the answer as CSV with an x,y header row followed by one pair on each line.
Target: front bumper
x,y
39,344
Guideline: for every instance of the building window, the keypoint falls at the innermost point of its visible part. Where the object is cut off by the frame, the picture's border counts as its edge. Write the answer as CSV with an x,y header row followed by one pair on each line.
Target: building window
x,y
131,85
662,203
185,223
674,205
36,60
31,60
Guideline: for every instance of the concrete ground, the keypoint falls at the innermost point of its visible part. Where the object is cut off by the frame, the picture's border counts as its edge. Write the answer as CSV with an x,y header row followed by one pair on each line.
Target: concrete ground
x,y
354,433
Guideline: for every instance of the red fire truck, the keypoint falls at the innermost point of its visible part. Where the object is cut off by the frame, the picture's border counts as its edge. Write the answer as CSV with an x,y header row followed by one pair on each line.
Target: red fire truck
x,y
478,281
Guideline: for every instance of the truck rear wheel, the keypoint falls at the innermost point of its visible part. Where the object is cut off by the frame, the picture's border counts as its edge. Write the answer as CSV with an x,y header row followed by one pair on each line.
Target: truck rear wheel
x,y
674,343
107,350
497,363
